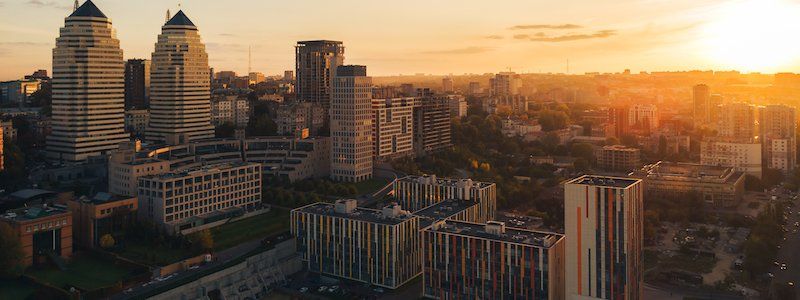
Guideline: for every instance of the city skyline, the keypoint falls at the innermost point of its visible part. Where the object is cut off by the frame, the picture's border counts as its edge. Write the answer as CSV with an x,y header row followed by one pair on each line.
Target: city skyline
x,y
419,38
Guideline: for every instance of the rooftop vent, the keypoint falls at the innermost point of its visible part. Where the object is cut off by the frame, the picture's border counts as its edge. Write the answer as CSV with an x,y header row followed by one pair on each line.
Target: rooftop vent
x,y
495,227
345,206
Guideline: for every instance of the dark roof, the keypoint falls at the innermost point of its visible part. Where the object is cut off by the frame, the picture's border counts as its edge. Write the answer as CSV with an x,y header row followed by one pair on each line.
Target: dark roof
x,y
88,9
180,19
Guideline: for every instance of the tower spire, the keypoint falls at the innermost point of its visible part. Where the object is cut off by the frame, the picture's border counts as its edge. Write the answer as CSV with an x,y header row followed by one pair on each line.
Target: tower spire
x,y
76,6
165,20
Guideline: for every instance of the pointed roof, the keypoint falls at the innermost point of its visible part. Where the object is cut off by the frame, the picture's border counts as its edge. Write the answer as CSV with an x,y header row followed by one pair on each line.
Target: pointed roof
x,y
88,9
180,19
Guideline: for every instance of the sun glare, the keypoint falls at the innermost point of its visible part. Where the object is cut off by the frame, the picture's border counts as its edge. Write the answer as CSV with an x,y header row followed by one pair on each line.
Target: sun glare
x,y
754,35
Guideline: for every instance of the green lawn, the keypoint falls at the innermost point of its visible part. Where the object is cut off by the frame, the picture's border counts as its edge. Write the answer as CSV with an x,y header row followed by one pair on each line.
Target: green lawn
x,y
371,186
255,227
154,254
15,289
85,272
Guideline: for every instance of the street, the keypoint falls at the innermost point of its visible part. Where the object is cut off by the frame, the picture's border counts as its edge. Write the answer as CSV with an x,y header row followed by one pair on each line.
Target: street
x,y
788,253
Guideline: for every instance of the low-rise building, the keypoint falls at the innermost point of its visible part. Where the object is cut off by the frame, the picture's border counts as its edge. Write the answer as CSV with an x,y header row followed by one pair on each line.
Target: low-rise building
x,y
231,110
618,158
464,260
43,231
103,214
719,186
18,91
289,157
417,192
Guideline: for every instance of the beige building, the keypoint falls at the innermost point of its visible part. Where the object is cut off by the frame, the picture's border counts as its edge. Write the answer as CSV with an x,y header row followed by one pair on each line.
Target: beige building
x,y
351,125
136,121
643,116
777,131
618,158
718,186
458,106
296,116
393,127
736,120
290,158
505,84
88,88
183,200
230,109
180,108
741,154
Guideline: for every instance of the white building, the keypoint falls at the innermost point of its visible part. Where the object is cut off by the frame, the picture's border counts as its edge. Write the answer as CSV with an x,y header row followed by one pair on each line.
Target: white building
x,y
230,109
643,115
88,88
351,124
741,155
778,128
736,120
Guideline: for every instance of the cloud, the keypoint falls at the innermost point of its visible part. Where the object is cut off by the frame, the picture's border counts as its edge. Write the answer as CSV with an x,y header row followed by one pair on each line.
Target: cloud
x,y
541,37
494,37
547,26
53,4
467,50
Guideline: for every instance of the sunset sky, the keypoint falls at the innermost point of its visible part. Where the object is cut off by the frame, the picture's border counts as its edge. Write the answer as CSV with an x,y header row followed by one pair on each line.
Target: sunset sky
x,y
441,36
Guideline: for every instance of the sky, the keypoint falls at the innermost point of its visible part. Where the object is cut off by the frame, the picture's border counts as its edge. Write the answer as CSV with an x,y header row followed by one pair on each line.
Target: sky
x,y
441,36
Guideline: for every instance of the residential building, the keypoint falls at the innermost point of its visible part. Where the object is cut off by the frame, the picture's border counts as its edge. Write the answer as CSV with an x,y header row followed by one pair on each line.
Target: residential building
x,y
296,116
88,88
103,214
717,186
378,247
520,128
618,158
137,84
474,88
447,85
351,125
737,120
619,121
18,91
198,197
458,106
290,158
417,192
643,116
432,132
256,77
393,127
465,260
505,84
231,110
778,134
604,239
316,66
136,121
42,231
180,106
701,108
288,76
742,155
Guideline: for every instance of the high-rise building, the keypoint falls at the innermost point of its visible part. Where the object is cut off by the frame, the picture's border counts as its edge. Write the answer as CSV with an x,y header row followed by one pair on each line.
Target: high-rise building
x,y
778,129
288,76
618,118
417,192
742,155
447,85
230,109
316,65
180,105
458,106
432,130
393,127
137,83
351,125
643,116
603,228
465,260
88,88
737,120
474,88
505,84
701,108
2,165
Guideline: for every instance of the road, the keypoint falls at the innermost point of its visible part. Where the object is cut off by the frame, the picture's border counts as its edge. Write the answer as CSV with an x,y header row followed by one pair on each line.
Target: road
x,y
788,252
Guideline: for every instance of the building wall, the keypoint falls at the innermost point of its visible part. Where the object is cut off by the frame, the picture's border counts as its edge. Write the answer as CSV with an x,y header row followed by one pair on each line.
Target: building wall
x,y
25,230
432,132
415,193
777,131
619,159
351,128
137,83
89,218
393,127
743,156
737,120
315,65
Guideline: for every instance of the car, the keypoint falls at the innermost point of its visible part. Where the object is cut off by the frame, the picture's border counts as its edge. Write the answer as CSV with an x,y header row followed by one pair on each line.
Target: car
x,y
128,290
790,283
776,263
333,288
303,289
322,289
195,267
378,290
783,267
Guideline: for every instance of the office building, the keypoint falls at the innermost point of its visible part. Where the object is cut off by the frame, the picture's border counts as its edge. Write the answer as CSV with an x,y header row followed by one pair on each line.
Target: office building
x,y
316,64
88,88
505,84
618,158
180,106
447,85
619,121
296,116
643,116
378,247
103,214
742,155
418,192
701,108
432,132
42,230
186,201
717,186
18,91
393,127
230,110
777,132
137,84
737,120
604,239
290,158
351,125
136,121
465,260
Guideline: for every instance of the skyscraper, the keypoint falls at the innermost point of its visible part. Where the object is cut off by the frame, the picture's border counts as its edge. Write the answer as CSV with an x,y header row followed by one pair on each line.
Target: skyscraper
x,y
778,128
603,229
505,84
88,88
701,107
180,101
316,63
737,120
351,125
137,83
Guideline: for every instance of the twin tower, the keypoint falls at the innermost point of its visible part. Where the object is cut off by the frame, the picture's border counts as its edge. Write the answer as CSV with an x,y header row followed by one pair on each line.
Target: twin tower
x,y
88,86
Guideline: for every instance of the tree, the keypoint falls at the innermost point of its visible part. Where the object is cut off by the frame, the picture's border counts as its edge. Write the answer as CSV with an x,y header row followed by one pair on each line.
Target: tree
x,y
261,125
225,130
203,240
107,241
582,150
553,120
10,252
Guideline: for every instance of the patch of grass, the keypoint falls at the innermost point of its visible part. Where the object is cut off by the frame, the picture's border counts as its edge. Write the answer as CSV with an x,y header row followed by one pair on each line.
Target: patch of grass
x,y
154,254
371,186
256,227
85,272
15,289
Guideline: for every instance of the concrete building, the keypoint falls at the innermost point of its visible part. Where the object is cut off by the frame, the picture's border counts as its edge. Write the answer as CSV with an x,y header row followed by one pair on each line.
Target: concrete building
x,y
417,192
619,122
393,127
198,197
136,121
737,120
315,64
777,131
137,84
447,85
458,106
351,125
464,260
288,76
230,109
88,88
18,91
43,231
701,108
379,247
643,116
717,186
103,214
9,132
180,106
740,154
474,88
505,84
618,158
296,116
256,77
291,158
604,238
432,132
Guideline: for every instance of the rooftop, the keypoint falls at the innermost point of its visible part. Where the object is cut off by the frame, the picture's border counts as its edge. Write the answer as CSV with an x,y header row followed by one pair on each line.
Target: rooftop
x,y
200,169
607,181
88,9
511,235
31,193
359,213
103,197
442,210
665,170
432,179
25,214
179,19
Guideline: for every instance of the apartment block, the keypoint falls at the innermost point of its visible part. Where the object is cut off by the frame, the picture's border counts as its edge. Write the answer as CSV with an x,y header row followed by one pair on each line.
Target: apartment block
x,y
717,186
294,117
137,84
351,125
432,132
417,192
504,84
465,260
136,121
231,110
393,127
742,155
458,106
618,158
777,131
737,120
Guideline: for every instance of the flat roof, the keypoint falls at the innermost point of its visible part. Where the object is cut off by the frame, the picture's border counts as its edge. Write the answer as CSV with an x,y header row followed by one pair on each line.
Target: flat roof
x,y
512,235
31,193
608,181
191,171
443,181
25,214
442,210
360,213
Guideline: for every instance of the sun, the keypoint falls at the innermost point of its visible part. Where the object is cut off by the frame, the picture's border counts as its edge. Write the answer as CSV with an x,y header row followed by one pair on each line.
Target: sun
x,y
754,35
